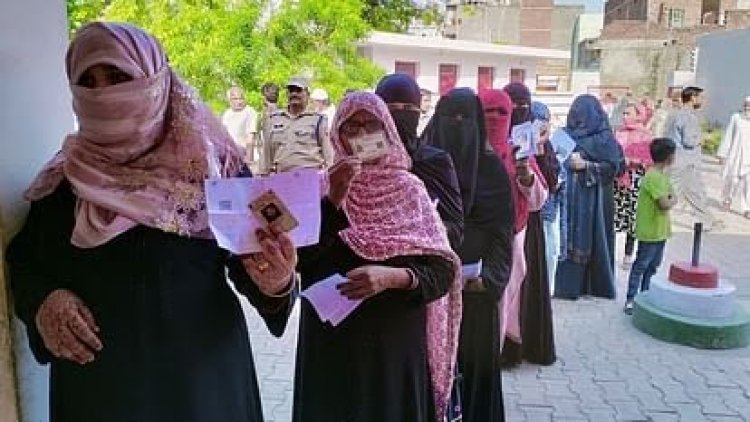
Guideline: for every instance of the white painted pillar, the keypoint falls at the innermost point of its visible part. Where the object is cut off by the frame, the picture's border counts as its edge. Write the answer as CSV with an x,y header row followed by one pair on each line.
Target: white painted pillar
x,y
35,114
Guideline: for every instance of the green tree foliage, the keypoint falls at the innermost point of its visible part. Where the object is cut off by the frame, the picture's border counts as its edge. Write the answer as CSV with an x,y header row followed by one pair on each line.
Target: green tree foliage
x,y
315,38
390,15
82,11
431,15
218,43
203,39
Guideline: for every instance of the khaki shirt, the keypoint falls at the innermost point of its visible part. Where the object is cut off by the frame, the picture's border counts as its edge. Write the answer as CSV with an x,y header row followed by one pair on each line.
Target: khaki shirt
x,y
295,142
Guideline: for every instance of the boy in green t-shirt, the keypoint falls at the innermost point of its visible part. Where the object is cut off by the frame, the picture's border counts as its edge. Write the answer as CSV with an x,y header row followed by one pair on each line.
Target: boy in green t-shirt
x,y
652,224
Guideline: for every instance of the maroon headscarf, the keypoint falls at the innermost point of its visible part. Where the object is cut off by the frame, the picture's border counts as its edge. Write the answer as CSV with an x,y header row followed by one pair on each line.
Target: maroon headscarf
x,y
498,128
519,94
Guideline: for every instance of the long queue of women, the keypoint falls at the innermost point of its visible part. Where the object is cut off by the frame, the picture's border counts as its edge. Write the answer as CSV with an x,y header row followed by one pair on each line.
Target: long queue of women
x,y
123,289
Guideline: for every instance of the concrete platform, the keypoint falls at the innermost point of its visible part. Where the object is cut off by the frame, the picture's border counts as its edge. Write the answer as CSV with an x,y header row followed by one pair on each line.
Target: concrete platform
x,y
701,333
693,302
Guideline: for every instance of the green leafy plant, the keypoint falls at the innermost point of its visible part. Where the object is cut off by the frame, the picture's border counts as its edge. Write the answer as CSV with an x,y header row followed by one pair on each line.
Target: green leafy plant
x,y
712,135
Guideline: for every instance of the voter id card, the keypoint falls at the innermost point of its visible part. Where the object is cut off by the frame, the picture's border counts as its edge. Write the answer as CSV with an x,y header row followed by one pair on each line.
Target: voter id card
x,y
370,147
270,209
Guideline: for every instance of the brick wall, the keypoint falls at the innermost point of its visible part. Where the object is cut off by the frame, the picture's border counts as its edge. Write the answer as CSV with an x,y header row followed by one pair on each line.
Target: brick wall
x,y
625,10
658,11
738,19
536,24
643,66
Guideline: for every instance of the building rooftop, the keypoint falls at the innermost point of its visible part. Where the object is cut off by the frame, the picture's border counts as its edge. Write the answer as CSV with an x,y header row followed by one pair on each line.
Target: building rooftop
x,y
639,30
438,43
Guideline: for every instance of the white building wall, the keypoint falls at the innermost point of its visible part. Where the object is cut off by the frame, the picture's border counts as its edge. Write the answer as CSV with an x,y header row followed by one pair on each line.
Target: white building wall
x,y
722,71
429,61
580,81
35,115
681,78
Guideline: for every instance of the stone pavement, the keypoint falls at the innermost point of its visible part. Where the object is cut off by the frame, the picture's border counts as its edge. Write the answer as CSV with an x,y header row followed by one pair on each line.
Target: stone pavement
x,y
606,369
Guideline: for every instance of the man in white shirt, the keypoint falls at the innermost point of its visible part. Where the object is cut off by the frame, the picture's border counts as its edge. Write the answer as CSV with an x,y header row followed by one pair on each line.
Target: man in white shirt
x,y
241,121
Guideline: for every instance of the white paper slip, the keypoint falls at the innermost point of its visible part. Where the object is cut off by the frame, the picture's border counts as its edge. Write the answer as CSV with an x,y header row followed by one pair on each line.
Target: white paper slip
x,y
343,311
474,270
563,144
330,305
233,223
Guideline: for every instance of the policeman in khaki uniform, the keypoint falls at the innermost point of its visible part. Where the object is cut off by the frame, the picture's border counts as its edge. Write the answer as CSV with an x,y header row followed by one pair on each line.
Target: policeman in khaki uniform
x,y
295,137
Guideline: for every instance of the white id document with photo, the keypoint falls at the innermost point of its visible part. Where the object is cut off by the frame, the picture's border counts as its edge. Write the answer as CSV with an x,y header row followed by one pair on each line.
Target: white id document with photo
x,y
231,218
328,302
563,144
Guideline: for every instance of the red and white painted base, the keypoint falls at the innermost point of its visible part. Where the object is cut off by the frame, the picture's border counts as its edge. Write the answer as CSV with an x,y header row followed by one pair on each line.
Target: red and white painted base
x,y
703,276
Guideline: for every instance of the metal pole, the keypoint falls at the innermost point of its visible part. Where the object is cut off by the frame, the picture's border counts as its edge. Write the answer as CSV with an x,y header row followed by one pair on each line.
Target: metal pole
x,y
697,235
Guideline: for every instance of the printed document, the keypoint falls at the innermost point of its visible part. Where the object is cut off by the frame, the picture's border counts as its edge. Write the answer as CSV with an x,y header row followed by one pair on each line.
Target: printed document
x,y
231,218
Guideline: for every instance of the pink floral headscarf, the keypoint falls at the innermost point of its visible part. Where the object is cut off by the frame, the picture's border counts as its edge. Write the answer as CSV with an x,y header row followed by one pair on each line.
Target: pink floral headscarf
x,y
390,214
141,153
635,141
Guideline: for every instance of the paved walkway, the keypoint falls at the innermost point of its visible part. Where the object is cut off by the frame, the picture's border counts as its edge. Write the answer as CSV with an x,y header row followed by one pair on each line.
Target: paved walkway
x,y
607,370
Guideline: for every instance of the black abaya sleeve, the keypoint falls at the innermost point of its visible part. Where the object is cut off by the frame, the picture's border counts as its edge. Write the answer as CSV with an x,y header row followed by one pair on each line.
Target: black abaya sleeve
x,y
549,166
275,311
435,168
498,258
496,269
489,228
332,221
435,275
38,260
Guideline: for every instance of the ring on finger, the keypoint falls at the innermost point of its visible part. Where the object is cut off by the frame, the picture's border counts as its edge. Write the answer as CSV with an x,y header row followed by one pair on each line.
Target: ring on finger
x,y
263,265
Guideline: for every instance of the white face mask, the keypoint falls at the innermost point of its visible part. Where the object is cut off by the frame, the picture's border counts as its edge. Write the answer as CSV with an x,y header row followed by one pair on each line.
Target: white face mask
x,y
371,146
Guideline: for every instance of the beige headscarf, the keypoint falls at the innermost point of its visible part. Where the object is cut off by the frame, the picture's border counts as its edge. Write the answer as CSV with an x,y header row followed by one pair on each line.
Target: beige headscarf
x,y
142,151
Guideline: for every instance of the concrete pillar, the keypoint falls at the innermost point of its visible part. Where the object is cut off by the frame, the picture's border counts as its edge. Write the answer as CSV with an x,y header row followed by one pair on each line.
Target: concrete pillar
x,y
36,114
